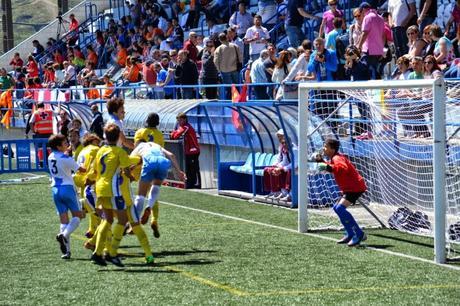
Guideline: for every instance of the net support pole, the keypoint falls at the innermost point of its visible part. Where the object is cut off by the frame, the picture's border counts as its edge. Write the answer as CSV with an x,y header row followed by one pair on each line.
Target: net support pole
x,y
439,169
303,161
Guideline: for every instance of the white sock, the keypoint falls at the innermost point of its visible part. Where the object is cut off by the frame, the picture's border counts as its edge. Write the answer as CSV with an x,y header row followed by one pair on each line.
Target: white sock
x,y
72,226
62,228
154,193
139,204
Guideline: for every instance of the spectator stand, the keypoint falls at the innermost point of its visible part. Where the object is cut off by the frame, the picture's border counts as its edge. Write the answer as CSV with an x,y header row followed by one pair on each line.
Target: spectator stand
x,y
86,29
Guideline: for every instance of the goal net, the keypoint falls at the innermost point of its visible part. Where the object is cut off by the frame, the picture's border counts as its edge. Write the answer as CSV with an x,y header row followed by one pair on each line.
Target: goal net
x,y
403,137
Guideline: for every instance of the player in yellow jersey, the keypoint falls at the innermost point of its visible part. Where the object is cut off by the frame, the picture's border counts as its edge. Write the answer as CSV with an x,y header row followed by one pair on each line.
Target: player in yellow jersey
x,y
133,214
151,134
109,163
85,183
75,144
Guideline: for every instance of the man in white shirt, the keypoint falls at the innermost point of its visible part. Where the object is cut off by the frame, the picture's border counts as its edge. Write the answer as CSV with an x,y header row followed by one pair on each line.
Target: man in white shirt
x,y
257,38
258,75
70,75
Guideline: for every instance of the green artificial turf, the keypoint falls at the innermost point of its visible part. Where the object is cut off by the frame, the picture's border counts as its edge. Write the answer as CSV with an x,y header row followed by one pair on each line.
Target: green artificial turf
x,y
204,259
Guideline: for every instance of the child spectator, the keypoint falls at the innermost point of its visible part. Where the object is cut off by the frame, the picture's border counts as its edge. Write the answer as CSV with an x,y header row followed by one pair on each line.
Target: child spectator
x,y
277,178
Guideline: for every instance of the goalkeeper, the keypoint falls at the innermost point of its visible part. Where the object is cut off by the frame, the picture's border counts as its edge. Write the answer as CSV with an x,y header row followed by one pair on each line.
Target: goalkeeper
x,y
352,185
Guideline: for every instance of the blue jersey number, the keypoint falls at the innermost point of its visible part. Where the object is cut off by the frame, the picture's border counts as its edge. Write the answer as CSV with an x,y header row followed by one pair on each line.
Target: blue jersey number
x,y
54,169
104,166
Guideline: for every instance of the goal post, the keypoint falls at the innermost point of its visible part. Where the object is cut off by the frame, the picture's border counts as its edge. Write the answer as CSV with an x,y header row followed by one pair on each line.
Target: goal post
x,y
401,154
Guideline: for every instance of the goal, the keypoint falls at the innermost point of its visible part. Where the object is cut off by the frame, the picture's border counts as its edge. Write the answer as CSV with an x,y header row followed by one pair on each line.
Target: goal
x,y
403,138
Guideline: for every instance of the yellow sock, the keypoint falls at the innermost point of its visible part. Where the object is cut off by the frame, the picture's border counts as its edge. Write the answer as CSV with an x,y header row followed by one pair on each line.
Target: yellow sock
x,y
94,221
143,240
118,230
102,237
93,239
155,211
108,241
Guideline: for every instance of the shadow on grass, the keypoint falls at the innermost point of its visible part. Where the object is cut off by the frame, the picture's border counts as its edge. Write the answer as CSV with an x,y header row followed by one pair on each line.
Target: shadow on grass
x,y
146,269
192,262
128,246
167,253
379,246
160,267
163,253
428,245
181,253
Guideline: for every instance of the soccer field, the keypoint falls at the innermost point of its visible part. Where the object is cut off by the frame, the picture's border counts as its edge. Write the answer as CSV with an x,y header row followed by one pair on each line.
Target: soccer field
x,y
213,250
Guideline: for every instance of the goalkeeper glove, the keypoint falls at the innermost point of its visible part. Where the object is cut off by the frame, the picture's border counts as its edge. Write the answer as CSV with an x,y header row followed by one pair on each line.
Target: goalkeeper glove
x,y
322,167
316,157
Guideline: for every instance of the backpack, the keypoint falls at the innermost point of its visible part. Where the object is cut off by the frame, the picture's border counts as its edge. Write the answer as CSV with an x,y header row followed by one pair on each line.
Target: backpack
x,y
405,219
454,231
399,217
341,44
416,221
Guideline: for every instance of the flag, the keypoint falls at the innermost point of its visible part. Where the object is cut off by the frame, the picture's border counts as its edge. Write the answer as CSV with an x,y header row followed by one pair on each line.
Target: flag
x,y
236,98
6,101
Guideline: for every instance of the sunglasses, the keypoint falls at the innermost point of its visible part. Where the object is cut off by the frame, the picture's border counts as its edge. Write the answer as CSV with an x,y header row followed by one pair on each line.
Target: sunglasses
x,y
429,62
357,16
411,33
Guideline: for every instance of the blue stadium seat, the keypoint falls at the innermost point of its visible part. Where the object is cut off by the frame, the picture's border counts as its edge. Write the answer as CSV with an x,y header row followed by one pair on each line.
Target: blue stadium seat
x,y
247,165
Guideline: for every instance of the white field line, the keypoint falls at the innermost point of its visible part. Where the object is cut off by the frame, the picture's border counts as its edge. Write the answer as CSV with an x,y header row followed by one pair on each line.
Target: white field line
x,y
432,262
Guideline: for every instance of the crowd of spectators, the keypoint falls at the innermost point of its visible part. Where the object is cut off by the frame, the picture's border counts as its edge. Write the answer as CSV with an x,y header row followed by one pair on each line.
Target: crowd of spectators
x,y
154,43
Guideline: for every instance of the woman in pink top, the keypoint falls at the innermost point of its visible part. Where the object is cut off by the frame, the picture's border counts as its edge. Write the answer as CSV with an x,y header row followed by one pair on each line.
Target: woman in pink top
x,y
328,18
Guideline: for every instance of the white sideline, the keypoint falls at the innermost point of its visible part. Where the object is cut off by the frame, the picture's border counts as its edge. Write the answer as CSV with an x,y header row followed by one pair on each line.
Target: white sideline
x,y
312,235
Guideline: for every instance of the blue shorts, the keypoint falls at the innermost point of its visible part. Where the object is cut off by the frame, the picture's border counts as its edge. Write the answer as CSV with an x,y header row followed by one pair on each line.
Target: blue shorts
x,y
155,167
65,199
90,197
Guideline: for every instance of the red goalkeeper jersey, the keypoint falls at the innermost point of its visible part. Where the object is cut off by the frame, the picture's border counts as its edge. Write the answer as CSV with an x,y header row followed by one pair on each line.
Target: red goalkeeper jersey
x,y
346,175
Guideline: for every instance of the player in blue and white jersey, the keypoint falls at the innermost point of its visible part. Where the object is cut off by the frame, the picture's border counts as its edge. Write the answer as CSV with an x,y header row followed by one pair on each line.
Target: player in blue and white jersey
x,y
61,168
156,163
